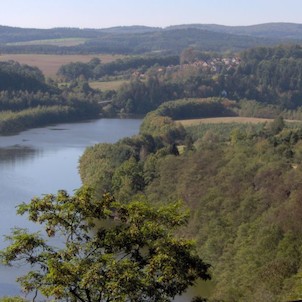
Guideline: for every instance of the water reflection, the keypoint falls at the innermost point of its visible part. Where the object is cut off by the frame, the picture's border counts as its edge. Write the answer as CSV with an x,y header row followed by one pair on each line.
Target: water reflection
x,y
44,160
14,154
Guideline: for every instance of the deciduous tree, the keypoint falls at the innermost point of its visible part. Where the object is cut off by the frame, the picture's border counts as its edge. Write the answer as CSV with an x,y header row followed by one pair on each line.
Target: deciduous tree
x,y
111,251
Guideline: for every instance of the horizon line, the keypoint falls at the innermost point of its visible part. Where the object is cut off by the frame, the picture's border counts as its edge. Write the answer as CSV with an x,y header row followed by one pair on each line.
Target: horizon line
x,y
148,26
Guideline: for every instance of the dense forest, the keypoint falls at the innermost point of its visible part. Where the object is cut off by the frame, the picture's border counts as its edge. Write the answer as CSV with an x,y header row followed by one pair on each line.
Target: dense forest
x,y
270,75
241,183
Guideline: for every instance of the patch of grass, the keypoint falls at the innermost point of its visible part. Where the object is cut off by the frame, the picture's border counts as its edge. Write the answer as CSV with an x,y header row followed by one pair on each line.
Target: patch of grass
x,y
181,149
12,299
110,85
223,120
229,120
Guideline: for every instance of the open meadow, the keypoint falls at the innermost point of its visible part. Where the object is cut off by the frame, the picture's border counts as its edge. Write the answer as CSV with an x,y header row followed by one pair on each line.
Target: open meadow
x,y
233,119
54,42
108,85
50,64
221,120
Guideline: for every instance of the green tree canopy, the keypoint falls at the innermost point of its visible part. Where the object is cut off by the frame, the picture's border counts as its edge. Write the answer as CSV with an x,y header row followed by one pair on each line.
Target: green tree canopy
x,y
111,251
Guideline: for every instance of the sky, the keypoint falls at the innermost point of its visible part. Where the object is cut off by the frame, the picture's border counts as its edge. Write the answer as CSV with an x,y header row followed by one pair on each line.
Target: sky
x,y
159,13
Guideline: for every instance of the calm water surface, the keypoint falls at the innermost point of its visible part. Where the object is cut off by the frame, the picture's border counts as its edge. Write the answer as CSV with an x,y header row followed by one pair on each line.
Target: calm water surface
x,y
45,160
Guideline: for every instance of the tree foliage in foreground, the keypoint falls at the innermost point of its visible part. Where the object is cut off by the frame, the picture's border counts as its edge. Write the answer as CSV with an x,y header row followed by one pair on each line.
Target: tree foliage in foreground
x,y
111,251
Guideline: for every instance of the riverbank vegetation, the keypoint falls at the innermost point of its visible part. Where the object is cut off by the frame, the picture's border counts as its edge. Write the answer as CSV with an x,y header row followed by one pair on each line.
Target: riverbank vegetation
x,y
27,100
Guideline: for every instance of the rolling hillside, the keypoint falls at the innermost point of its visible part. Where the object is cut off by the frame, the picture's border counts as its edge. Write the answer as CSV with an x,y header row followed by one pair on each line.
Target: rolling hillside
x,y
142,39
277,31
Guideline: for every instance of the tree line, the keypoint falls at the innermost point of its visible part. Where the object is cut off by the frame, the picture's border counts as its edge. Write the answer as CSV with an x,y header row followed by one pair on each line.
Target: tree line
x,y
95,69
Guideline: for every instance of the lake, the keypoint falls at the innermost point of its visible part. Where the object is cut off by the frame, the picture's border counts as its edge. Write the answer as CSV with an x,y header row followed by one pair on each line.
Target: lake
x,y
44,160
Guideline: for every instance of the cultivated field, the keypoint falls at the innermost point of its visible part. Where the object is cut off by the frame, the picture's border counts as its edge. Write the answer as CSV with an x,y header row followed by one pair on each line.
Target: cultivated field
x,y
50,64
110,85
53,42
221,120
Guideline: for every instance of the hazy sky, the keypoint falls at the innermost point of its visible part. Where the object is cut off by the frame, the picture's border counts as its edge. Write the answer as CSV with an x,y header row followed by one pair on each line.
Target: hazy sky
x,y
101,13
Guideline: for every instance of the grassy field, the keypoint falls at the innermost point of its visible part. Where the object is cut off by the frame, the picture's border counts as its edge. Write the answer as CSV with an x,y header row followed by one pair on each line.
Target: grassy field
x,y
110,85
54,42
220,120
233,119
50,64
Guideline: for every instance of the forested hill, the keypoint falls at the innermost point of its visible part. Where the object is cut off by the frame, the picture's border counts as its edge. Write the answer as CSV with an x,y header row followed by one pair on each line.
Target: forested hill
x,y
267,30
141,39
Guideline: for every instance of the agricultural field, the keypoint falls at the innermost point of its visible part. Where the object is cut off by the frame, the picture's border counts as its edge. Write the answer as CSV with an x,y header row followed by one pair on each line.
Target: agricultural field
x,y
105,86
50,64
221,120
228,120
53,42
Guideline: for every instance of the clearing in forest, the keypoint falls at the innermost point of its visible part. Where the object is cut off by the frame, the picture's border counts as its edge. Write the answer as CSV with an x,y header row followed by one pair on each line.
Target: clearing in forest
x,y
109,85
50,64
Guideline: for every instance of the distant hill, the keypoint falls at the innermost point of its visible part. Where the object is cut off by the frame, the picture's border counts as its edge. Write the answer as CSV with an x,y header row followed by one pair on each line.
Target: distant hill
x,y
174,40
135,29
141,39
17,34
267,30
